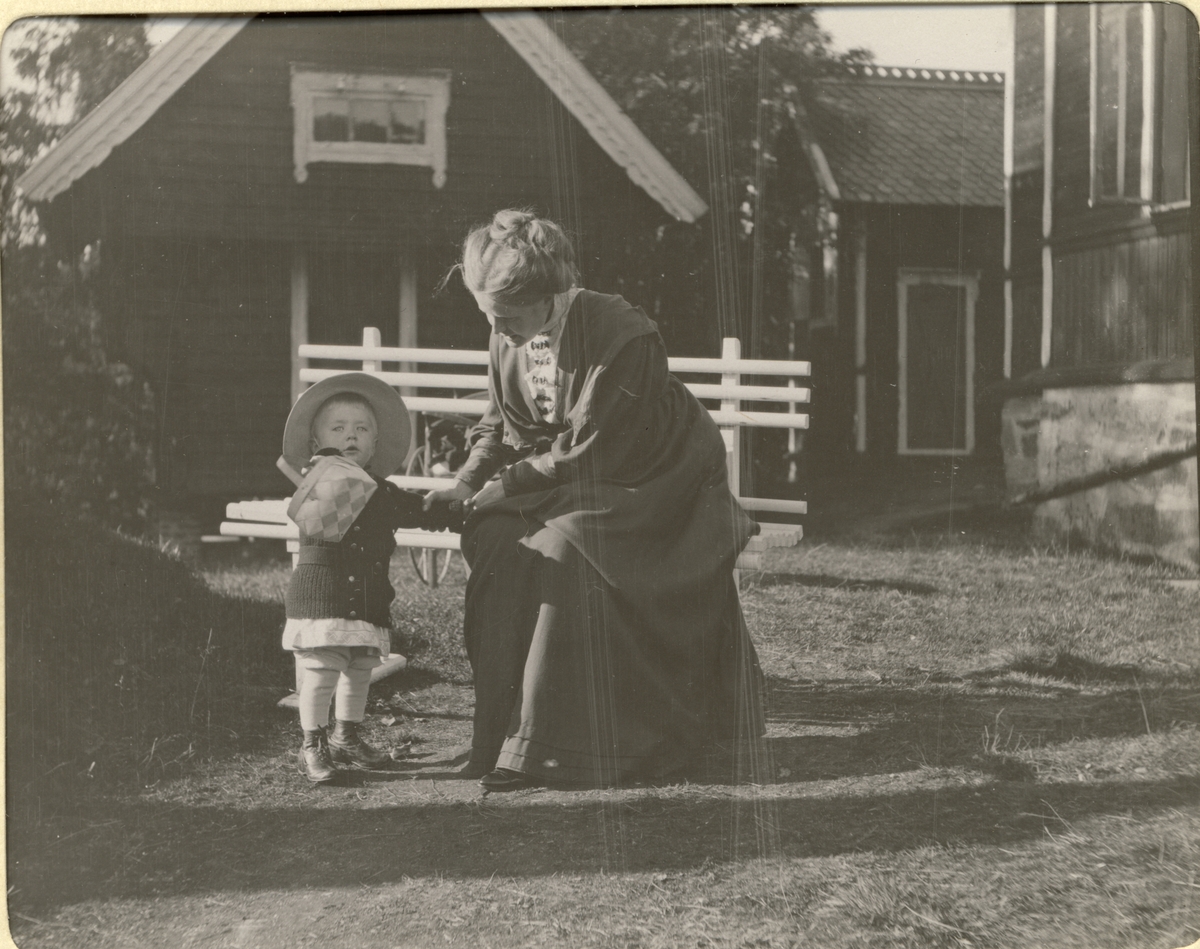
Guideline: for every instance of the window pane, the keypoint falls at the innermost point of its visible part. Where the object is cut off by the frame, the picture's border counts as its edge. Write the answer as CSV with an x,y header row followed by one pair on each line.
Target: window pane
x,y
408,122
330,122
370,117
1110,65
1177,23
1118,142
1133,101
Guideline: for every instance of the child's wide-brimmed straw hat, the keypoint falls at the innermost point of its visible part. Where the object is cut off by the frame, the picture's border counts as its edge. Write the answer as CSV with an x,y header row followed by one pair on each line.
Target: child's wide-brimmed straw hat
x,y
395,429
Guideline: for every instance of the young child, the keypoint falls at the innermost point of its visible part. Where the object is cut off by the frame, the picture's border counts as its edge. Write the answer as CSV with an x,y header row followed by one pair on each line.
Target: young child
x,y
345,434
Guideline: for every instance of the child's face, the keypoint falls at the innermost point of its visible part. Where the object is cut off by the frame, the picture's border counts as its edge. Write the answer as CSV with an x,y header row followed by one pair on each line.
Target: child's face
x,y
347,426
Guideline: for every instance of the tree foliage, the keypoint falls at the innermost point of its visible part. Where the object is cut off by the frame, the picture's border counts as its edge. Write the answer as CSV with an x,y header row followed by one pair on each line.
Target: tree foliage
x,y
78,426
64,67
717,90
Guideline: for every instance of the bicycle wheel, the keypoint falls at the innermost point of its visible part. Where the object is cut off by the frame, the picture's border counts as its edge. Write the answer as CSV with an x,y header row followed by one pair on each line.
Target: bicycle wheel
x,y
430,563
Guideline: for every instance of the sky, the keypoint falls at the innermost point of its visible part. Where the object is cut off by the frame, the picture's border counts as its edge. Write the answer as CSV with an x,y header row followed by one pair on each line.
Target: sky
x,y
966,36
935,37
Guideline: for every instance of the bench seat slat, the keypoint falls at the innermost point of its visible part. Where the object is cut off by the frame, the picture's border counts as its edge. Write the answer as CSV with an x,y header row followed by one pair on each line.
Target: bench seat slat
x,y
775,505
275,511
254,529
760,419
760,367
750,558
704,390
726,383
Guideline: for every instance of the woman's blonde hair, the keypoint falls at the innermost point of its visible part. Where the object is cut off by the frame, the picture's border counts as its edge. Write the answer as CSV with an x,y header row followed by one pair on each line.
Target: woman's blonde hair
x,y
518,258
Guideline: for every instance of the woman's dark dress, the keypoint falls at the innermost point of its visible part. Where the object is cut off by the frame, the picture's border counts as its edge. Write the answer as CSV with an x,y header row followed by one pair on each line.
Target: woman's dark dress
x,y
602,620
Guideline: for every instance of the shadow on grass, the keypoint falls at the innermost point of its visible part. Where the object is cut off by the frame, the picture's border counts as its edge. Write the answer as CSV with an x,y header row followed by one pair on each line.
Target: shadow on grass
x,y
838,583
415,678
158,850
1068,667
827,731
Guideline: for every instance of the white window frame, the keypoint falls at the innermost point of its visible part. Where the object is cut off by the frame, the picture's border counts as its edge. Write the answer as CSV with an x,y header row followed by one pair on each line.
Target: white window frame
x,y
905,278
432,88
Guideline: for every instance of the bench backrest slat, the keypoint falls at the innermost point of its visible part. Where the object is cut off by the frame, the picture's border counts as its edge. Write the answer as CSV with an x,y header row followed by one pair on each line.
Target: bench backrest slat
x,y
729,390
460,357
479,357
702,390
424,380
268,519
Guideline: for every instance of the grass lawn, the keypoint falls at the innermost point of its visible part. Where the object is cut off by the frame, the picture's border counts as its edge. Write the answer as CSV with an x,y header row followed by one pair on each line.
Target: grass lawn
x,y
971,742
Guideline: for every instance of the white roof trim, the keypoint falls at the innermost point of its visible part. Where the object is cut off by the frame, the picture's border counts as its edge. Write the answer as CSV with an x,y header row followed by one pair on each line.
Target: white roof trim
x,y
149,86
128,107
587,100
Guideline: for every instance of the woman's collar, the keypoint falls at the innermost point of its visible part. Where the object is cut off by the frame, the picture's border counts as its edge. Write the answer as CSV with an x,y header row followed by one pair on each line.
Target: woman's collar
x,y
558,311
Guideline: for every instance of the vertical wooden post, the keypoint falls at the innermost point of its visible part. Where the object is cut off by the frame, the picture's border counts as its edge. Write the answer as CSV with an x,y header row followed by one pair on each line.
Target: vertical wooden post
x,y
408,325
731,348
371,338
299,313
860,340
1049,67
1009,157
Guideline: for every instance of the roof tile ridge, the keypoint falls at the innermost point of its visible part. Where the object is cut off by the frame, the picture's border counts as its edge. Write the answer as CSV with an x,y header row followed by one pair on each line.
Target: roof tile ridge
x,y
925,75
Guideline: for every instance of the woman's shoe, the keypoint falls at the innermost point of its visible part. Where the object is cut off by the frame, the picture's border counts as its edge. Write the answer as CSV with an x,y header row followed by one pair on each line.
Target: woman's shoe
x,y
475,770
505,779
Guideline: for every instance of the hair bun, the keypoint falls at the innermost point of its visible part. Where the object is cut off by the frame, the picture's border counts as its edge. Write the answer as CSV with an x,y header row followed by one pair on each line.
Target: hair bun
x,y
507,225
518,256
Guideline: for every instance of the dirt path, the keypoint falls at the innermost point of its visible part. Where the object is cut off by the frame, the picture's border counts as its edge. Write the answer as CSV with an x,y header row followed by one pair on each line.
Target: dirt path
x,y
242,853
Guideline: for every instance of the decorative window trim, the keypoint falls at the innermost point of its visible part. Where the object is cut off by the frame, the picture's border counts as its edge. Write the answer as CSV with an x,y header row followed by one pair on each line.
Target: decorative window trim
x,y
432,88
969,281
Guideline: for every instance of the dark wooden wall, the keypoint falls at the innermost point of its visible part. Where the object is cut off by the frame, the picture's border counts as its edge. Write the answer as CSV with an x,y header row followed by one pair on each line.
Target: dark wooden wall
x,y
199,211
1124,301
1028,91
207,321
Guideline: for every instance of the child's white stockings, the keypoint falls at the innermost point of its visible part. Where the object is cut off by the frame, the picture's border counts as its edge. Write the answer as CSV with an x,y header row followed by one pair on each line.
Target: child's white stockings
x,y
342,673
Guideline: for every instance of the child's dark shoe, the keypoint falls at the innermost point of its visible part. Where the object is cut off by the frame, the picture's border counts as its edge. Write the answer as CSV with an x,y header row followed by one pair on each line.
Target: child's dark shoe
x,y
314,760
347,747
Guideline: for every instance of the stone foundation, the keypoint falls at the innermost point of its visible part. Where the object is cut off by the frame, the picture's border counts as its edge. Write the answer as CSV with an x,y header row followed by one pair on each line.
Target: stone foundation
x,y
1068,433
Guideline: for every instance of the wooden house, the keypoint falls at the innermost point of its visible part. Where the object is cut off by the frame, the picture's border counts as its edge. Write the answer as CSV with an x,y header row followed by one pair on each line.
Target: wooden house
x,y
261,182
1101,323
898,290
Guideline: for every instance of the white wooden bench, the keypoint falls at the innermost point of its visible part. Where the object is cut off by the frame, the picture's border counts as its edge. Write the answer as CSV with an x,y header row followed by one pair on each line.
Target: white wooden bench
x,y
722,382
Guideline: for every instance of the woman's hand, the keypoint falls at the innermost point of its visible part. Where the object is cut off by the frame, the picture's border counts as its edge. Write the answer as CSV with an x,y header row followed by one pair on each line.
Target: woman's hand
x,y
458,492
491,492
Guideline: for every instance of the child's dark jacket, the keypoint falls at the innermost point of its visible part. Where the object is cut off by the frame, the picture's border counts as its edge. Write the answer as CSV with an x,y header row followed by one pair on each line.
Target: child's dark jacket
x,y
349,579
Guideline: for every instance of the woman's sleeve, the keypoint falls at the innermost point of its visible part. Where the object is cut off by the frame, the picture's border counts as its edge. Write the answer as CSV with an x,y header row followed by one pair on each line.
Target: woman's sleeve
x,y
616,440
488,453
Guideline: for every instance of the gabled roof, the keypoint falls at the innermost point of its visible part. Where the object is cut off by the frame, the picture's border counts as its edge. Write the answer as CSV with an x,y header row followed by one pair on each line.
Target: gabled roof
x,y
913,136
149,86
127,108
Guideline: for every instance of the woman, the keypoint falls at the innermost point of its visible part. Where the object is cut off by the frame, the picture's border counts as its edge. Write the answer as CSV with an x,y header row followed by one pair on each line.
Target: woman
x,y
602,620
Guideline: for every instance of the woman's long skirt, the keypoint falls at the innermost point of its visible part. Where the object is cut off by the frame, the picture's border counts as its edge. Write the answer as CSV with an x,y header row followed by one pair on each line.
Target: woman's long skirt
x,y
579,683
